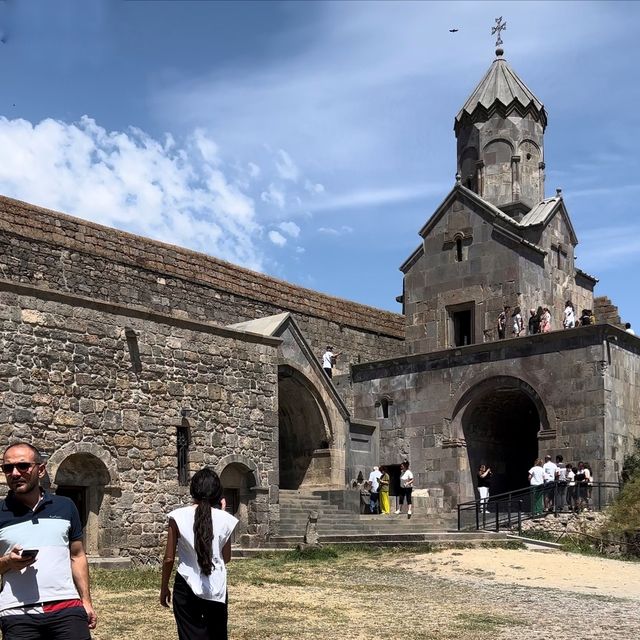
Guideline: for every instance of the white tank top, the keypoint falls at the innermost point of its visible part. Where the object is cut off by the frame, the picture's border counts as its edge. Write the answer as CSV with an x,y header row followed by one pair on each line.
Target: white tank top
x,y
214,586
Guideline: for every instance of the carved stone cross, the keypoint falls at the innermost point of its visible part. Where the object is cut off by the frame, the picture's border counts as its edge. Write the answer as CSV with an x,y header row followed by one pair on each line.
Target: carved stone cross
x,y
500,26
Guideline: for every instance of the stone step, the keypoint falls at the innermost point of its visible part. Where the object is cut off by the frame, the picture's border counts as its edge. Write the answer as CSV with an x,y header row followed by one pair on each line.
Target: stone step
x,y
434,537
109,563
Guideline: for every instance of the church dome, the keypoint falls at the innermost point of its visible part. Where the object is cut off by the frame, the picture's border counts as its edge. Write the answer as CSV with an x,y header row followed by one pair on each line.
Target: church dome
x,y
501,91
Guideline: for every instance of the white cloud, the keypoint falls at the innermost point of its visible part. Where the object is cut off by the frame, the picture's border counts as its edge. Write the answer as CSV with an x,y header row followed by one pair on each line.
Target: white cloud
x,y
290,228
378,197
277,238
274,196
129,180
313,188
331,231
286,167
254,170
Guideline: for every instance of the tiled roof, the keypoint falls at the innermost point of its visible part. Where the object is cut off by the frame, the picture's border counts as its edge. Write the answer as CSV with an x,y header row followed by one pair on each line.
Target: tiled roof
x,y
501,85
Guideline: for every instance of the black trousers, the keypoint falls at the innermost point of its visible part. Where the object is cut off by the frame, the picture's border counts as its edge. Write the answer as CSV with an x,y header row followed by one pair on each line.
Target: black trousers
x,y
197,619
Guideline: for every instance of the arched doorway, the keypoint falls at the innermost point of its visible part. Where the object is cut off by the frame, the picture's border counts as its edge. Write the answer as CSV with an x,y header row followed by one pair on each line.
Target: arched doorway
x,y
500,423
304,435
83,477
239,492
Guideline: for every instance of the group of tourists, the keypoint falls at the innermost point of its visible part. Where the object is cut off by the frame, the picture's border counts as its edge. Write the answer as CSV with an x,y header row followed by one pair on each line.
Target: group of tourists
x,y
540,320
556,486
378,486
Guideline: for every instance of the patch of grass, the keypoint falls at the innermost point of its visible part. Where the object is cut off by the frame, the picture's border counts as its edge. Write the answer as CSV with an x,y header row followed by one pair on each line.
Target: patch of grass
x,y
487,621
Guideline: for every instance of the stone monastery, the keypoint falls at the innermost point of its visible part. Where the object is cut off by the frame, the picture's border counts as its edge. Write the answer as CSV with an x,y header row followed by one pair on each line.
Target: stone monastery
x,y
133,363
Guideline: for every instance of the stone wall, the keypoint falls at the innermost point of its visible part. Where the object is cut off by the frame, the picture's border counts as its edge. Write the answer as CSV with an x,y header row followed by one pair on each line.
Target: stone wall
x,y
63,253
621,363
562,374
112,384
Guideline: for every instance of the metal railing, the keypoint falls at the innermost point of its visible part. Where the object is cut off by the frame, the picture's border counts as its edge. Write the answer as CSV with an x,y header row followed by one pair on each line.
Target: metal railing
x,y
510,509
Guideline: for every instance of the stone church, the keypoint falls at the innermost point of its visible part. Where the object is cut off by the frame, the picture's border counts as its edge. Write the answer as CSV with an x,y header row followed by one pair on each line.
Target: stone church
x,y
132,363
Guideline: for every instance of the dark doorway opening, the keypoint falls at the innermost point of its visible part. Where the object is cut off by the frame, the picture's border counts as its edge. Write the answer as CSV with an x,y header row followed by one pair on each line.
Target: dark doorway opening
x,y
501,431
462,327
79,497
303,443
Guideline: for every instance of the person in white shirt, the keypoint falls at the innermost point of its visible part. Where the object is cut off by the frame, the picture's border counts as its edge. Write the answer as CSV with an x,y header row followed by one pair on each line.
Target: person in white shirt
x,y
549,472
406,487
328,360
536,480
569,320
374,494
201,534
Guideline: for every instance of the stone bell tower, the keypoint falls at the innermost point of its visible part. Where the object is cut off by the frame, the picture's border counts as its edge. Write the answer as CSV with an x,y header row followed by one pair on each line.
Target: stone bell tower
x,y
500,134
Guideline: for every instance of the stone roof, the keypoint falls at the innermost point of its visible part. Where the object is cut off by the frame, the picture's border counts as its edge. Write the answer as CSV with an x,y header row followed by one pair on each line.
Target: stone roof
x,y
501,88
540,212
65,231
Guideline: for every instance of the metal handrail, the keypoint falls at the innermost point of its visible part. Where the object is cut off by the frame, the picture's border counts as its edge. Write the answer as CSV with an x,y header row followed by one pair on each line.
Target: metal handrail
x,y
518,505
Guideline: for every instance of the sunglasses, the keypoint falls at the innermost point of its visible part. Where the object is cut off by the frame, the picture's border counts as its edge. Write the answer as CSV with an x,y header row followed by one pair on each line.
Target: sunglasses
x,y
20,466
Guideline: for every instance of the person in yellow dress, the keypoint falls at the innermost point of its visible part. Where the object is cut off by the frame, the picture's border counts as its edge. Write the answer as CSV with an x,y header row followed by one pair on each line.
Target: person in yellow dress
x,y
384,491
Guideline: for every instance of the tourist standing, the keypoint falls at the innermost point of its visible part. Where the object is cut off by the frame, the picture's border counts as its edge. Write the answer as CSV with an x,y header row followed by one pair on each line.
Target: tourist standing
x,y
502,322
328,360
201,534
374,478
518,323
561,483
545,322
569,319
406,487
571,487
45,576
549,472
534,321
536,481
484,482
384,482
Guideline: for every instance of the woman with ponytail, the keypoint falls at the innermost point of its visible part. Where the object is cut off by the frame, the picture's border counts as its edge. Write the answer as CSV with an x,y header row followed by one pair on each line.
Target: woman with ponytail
x,y
201,534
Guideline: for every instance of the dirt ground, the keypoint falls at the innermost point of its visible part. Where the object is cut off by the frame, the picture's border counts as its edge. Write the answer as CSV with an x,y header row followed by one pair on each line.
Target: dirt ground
x,y
469,594
549,570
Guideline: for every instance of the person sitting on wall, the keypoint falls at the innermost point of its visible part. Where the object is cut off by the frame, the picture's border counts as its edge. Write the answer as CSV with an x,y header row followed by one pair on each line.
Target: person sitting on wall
x,y
502,322
328,360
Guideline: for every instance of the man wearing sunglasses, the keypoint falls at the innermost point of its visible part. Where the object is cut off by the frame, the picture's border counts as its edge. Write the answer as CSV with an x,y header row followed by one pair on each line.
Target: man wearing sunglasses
x,y
45,575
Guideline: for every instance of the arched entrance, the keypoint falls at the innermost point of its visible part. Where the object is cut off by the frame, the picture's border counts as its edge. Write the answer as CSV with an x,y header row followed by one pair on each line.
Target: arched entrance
x,y
239,492
304,440
83,477
501,419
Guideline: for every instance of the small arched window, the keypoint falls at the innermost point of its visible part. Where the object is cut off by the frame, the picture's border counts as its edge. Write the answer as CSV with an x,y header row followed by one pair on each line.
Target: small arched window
x,y
458,249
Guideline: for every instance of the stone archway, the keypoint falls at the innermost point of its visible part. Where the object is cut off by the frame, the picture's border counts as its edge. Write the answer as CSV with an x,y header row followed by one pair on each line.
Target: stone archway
x,y
246,498
87,474
500,420
304,433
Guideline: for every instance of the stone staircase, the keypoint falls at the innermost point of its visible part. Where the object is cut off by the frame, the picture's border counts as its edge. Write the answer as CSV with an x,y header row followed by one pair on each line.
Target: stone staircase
x,y
339,522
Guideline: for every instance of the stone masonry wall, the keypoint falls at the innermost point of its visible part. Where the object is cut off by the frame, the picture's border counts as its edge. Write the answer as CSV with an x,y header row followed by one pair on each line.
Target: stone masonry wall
x,y
67,254
621,363
68,381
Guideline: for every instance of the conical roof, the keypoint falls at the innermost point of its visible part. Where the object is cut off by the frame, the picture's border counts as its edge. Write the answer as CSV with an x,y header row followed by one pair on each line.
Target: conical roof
x,y
501,89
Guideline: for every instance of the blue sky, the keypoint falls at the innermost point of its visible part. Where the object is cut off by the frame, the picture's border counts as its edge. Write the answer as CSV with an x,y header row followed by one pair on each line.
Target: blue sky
x,y
310,140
